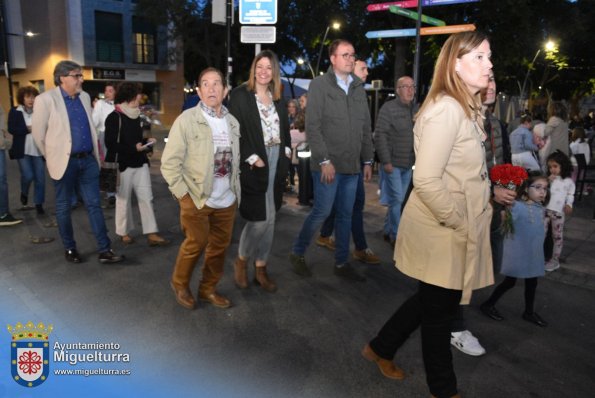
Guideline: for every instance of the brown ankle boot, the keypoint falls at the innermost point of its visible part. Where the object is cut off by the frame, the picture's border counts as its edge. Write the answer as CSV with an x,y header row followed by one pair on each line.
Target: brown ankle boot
x,y
262,279
386,367
240,275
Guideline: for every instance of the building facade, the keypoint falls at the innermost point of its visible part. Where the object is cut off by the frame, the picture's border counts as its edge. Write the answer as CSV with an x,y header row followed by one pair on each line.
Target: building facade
x,y
106,37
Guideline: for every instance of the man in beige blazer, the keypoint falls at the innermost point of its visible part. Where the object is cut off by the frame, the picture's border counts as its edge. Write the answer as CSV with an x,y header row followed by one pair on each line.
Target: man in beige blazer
x,y
64,133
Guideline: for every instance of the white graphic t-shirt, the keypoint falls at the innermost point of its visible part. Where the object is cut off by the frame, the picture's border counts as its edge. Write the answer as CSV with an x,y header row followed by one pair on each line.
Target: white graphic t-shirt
x,y
222,196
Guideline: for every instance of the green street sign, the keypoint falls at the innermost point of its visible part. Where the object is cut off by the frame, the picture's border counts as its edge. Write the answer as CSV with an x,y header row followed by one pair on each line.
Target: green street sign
x,y
414,15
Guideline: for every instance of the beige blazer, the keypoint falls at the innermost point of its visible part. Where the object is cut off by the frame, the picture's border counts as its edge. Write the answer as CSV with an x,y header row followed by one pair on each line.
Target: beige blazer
x,y
444,233
51,130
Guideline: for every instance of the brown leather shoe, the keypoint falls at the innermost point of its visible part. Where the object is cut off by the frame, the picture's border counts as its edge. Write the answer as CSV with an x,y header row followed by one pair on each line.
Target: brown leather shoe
x,y
262,279
214,298
156,240
183,297
387,368
240,275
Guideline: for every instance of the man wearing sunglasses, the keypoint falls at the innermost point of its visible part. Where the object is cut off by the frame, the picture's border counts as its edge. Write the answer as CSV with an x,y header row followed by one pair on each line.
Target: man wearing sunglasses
x,y
63,131
339,134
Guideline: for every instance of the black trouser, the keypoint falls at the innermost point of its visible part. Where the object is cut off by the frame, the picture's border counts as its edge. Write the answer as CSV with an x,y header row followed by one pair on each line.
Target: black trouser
x,y
507,284
433,308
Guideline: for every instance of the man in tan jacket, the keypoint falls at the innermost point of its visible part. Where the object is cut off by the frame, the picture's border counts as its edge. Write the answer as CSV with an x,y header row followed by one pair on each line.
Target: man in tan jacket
x,y
201,166
64,133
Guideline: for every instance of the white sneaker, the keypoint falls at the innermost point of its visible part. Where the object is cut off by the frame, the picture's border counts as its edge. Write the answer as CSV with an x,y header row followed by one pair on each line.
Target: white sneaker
x,y
552,265
465,342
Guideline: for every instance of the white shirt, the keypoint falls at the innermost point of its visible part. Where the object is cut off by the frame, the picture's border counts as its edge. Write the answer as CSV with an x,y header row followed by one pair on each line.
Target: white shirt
x,y
561,194
580,147
100,112
221,196
30,147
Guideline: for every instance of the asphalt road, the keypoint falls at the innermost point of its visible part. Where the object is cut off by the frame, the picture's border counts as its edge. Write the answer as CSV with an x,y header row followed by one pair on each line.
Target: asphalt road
x,y
303,341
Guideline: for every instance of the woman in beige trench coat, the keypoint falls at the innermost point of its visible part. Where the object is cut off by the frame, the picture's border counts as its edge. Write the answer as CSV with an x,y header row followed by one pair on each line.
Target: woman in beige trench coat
x,y
443,238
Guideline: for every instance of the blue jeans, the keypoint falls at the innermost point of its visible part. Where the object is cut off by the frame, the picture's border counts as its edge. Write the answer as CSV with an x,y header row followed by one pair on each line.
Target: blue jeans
x,y
33,170
340,194
357,220
395,184
84,173
3,184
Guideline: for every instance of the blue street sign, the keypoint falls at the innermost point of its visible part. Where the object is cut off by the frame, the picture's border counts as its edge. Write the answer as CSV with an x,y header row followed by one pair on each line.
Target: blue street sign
x,y
258,12
379,34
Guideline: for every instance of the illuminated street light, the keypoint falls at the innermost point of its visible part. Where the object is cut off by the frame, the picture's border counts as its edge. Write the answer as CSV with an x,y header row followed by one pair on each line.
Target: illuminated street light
x,y
301,61
549,46
335,26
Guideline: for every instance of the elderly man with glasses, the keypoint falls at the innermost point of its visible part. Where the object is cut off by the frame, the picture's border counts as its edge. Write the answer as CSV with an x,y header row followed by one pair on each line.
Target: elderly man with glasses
x,y
63,130
393,139
339,134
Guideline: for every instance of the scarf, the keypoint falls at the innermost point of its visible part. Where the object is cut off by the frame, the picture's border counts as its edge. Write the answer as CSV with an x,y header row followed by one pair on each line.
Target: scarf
x,y
132,113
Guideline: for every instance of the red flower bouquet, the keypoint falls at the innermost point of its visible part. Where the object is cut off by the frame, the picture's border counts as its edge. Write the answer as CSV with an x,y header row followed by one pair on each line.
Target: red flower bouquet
x,y
509,177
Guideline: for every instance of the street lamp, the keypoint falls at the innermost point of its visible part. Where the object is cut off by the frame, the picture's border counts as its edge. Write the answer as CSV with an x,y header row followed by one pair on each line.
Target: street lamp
x,y
549,46
301,61
335,26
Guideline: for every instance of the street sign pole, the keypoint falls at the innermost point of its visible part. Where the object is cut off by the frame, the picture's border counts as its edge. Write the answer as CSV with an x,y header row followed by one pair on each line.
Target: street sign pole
x,y
417,51
228,16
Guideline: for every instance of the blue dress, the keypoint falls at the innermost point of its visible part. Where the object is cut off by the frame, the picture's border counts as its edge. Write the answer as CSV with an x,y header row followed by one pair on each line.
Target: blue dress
x,y
523,251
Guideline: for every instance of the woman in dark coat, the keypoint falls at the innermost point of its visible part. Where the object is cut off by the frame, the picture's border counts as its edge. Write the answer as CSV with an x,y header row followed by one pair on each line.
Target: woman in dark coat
x,y
125,143
265,150
31,163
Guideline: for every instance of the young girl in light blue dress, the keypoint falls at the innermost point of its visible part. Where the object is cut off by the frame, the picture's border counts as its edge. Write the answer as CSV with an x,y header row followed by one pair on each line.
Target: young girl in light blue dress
x,y
523,250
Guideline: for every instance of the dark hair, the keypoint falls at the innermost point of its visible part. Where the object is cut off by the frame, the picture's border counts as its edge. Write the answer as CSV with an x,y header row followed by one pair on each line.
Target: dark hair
x,y
564,162
578,132
525,118
127,91
63,68
336,43
211,69
110,84
25,92
275,86
522,190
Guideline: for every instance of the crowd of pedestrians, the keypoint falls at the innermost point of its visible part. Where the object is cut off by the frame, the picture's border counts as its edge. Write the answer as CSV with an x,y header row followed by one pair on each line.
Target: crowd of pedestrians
x,y
223,156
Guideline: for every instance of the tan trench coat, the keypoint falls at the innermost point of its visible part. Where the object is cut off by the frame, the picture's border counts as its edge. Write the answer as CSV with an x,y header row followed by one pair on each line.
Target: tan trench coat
x,y
444,233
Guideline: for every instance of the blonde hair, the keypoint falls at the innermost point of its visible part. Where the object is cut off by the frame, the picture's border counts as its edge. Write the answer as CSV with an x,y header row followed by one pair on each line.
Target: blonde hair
x,y
275,83
446,81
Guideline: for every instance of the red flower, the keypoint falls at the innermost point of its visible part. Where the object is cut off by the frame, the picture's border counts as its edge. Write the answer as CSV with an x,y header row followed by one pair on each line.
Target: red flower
x,y
509,177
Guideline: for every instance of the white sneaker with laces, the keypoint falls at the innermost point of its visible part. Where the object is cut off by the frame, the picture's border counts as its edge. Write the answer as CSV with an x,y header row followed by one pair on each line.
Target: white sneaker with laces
x,y
467,343
552,265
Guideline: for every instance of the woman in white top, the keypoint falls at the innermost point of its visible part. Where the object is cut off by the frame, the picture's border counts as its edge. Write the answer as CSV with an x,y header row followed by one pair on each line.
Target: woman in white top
x,y
31,163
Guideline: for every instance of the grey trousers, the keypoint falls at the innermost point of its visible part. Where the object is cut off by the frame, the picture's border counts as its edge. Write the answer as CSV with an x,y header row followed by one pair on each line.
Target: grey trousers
x,y
257,236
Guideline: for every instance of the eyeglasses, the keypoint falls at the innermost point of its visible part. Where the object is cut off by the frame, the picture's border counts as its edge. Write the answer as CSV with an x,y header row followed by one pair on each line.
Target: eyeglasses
x,y
539,187
408,87
347,56
76,76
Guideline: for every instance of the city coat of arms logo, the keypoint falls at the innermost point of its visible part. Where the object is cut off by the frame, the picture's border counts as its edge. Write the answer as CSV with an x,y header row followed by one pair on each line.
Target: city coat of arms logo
x,y
30,353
